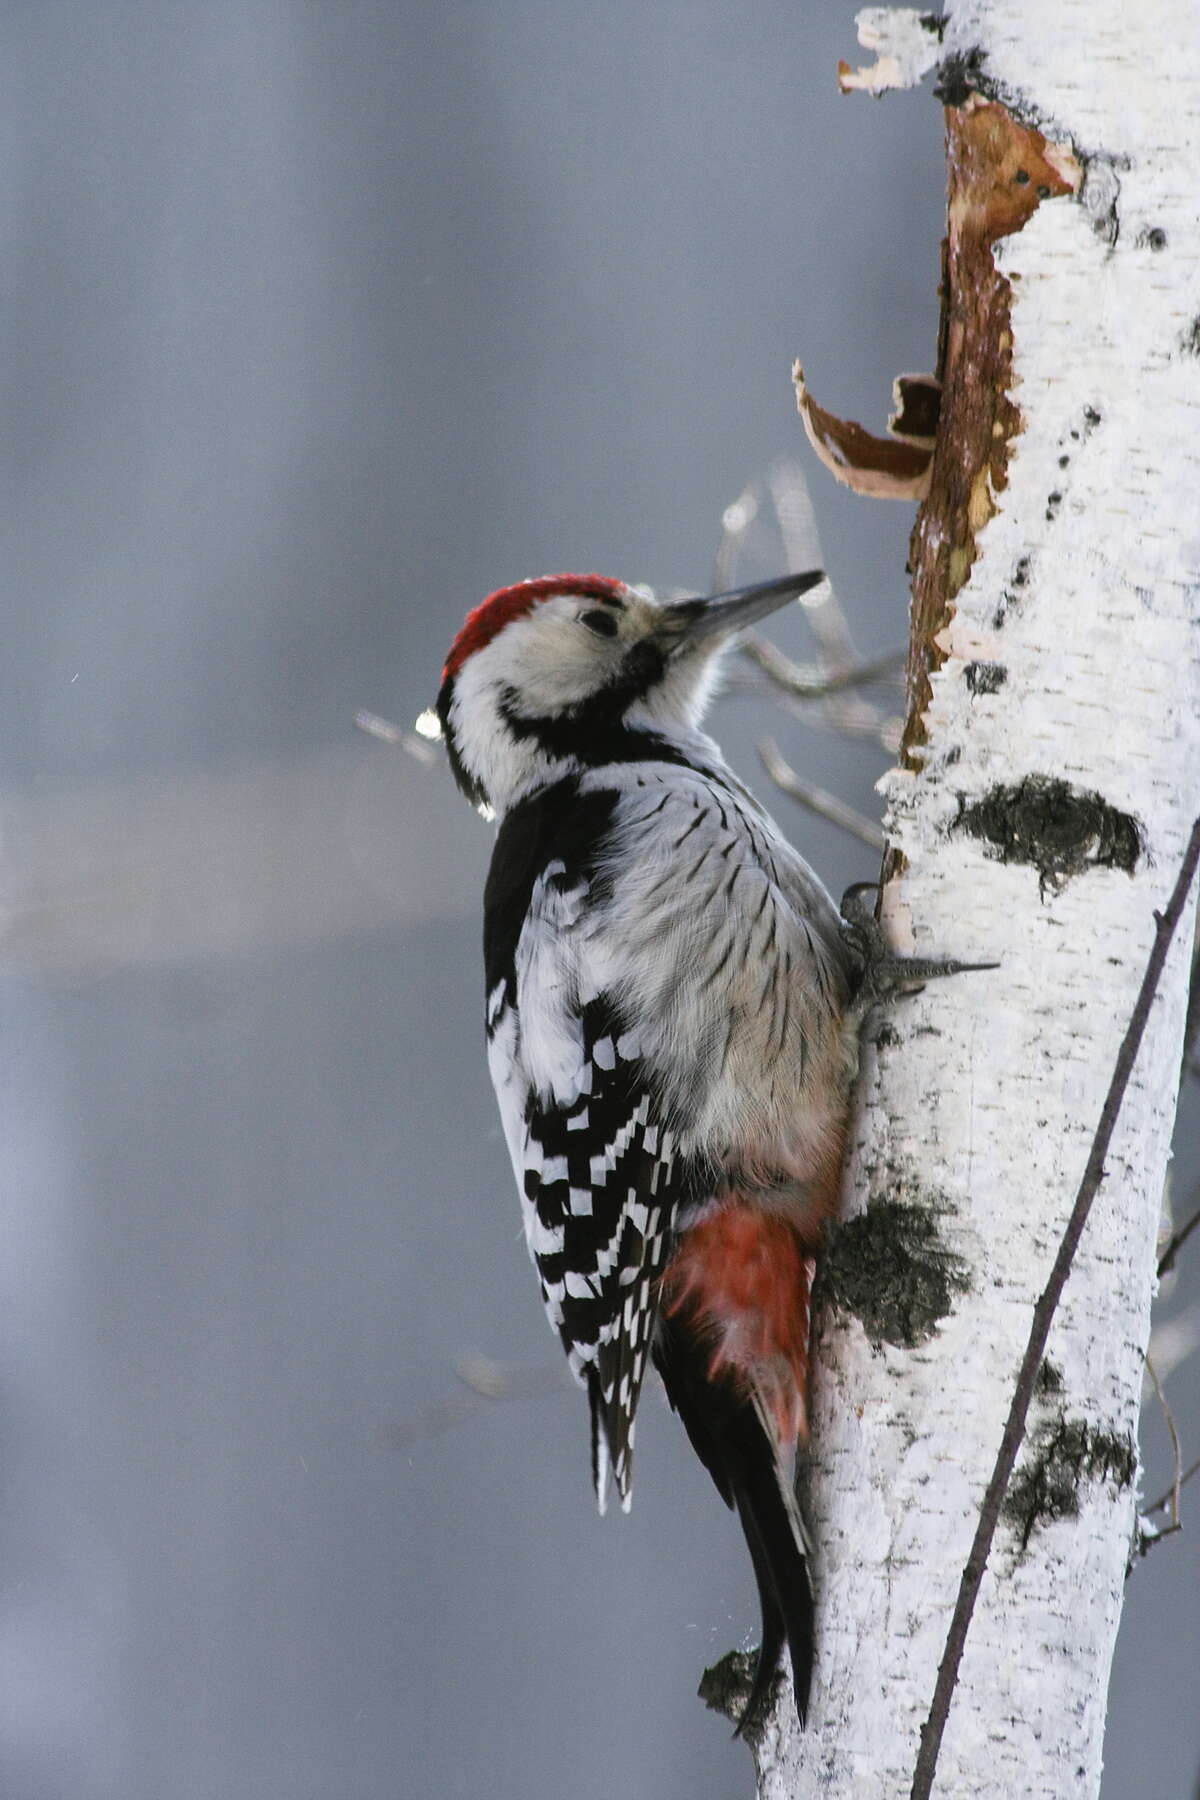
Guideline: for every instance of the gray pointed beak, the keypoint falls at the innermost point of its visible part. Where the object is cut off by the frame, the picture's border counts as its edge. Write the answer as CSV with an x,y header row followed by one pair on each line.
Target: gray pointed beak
x,y
687,622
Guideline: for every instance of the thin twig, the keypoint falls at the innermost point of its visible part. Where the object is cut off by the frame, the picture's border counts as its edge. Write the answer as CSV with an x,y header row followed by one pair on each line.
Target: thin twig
x,y
806,681
387,733
484,1382
1145,1541
1043,1315
818,799
1191,1027
1176,1339
855,719
1175,1243
1164,1500
1176,1447
791,501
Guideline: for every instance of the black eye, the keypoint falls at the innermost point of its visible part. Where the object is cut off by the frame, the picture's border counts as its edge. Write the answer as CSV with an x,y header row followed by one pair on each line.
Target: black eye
x,y
602,623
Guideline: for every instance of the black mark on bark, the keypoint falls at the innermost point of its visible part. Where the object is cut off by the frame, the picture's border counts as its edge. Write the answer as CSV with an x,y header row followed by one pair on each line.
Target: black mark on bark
x,y
1099,196
1058,829
959,77
985,677
1012,596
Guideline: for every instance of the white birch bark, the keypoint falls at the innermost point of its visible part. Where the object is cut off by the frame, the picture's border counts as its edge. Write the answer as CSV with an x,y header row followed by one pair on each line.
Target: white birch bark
x,y
980,1103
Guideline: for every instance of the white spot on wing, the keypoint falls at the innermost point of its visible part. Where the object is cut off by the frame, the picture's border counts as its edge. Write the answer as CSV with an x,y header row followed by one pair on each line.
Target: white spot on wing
x,y
543,1240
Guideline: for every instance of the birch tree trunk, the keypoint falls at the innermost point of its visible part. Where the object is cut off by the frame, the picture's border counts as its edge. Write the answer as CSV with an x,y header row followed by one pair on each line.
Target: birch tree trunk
x,y
1049,778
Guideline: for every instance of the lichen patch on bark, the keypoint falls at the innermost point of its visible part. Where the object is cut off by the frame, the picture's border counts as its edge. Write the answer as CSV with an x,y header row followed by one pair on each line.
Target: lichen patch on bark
x,y
893,1270
726,1686
1065,1454
998,171
1058,829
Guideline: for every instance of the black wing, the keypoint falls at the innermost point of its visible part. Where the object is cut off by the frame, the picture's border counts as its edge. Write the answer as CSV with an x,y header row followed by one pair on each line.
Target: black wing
x,y
603,1184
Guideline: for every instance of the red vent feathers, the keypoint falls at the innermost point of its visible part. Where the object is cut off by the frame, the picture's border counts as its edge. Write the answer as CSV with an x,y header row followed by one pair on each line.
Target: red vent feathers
x,y
493,614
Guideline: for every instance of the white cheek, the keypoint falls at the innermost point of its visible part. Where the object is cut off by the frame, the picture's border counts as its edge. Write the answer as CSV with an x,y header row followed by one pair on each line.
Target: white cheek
x,y
561,662
503,761
489,752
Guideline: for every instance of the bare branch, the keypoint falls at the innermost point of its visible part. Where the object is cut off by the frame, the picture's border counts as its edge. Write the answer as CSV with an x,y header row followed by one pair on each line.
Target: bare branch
x,y
1043,1316
1191,1029
806,681
383,729
1176,1448
1165,1499
772,524
818,799
1177,1240
485,1381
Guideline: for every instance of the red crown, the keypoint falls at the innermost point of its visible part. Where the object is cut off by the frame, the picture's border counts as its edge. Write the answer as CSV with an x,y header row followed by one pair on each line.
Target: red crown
x,y
491,615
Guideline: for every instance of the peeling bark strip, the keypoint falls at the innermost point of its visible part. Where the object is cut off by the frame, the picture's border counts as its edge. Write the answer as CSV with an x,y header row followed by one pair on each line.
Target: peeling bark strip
x,y
891,468
998,173
908,43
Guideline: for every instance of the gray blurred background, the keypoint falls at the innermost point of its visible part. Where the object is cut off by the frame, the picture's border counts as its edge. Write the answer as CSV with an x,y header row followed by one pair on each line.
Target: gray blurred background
x,y
321,320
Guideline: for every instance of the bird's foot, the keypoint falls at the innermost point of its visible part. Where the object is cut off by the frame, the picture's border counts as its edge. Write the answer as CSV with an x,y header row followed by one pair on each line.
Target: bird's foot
x,y
882,972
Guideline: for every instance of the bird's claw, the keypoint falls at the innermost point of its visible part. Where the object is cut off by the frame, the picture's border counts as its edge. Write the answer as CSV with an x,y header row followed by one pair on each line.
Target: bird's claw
x,y
881,972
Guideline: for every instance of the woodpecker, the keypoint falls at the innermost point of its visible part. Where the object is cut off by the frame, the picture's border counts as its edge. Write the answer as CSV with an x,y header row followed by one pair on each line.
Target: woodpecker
x,y
671,1035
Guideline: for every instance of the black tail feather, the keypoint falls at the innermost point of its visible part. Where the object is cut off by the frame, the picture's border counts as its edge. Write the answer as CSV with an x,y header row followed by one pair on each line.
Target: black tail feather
x,y
773,1630
771,1521
599,1443
730,1437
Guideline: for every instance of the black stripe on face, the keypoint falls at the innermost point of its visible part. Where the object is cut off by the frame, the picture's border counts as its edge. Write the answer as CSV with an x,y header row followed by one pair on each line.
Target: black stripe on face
x,y
467,783
592,730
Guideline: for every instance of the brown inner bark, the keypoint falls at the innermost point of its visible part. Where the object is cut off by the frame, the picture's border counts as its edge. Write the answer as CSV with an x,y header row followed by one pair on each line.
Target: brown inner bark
x,y
998,172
